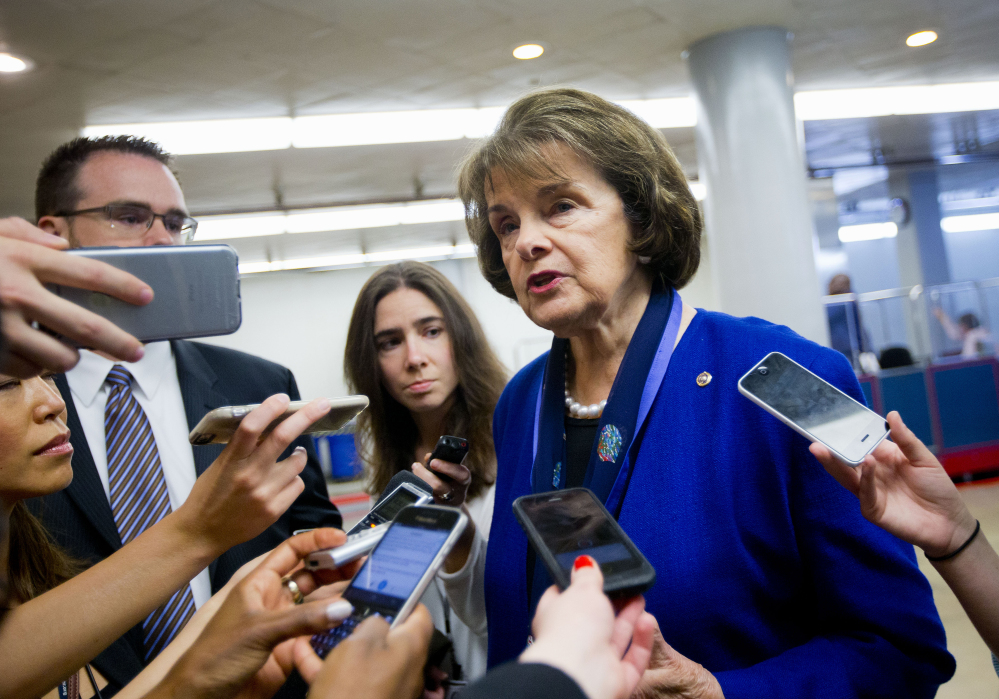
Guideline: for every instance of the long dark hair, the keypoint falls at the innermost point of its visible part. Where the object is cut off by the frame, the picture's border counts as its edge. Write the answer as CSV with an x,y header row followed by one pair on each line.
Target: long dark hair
x,y
387,434
35,562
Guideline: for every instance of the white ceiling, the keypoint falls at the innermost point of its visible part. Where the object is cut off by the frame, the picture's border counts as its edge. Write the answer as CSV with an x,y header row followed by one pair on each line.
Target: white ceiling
x,y
106,61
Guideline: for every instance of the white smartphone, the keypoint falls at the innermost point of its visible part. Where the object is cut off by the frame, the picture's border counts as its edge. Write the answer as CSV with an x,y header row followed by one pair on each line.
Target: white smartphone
x,y
399,569
218,426
813,408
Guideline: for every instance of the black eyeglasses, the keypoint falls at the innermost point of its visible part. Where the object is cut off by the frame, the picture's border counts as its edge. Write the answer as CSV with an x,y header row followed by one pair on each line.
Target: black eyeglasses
x,y
134,220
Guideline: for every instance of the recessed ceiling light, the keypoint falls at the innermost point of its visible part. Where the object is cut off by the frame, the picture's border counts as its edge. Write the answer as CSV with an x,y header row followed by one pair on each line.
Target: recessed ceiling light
x,y
921,38
528,51
12,64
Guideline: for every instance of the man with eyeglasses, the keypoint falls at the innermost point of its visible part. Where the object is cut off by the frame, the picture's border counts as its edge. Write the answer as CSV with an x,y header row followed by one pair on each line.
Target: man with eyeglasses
x,y
119,191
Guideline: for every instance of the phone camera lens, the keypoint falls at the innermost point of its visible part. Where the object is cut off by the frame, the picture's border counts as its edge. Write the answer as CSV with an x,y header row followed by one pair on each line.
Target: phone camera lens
x,y
763,371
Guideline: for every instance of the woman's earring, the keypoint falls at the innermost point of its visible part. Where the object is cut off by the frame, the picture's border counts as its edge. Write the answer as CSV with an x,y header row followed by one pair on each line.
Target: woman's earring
x,y
644,259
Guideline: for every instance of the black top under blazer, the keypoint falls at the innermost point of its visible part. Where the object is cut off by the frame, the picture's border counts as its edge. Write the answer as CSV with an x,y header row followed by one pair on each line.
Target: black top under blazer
x,y
80,517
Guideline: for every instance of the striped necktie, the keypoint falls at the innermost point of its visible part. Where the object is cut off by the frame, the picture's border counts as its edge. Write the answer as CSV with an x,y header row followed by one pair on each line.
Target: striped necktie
x,y
139,497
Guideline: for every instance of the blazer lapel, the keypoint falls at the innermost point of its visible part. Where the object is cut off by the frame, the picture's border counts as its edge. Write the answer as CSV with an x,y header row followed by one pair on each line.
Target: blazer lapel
x,y
197,386
197,380
86,489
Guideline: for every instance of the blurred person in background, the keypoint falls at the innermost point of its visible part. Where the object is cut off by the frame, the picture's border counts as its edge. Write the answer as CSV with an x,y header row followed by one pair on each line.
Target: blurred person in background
x,y
846,333
119,191
975,340
416,349
769,581
905,490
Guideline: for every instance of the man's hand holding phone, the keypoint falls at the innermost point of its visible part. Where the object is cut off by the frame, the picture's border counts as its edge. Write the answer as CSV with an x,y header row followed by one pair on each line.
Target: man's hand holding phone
x,y
31,258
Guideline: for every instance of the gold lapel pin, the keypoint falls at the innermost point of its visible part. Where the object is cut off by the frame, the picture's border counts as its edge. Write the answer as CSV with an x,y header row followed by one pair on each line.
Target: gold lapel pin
x,y
703,379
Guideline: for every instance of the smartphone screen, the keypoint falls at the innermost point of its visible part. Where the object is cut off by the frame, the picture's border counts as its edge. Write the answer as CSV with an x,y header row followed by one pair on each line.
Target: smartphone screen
x,y
823,411
391,576
572,523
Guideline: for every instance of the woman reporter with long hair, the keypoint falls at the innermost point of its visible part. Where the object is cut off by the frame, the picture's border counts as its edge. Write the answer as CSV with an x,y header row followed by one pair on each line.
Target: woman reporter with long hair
x,y
416,349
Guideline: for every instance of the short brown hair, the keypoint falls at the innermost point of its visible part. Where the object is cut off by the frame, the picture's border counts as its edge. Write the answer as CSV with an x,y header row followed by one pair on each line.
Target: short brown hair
x,y
630,155
387,435
55,189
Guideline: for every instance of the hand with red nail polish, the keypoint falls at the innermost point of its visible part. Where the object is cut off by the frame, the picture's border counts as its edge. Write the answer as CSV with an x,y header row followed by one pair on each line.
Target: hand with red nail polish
x,y
577,632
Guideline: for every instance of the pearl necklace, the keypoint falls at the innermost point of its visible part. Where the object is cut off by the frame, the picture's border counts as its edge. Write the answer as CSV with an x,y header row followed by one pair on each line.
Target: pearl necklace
x,y
576,409
587,412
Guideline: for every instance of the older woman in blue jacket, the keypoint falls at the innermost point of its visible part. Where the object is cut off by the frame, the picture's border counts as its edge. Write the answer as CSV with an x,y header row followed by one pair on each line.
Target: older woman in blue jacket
x,y
770,582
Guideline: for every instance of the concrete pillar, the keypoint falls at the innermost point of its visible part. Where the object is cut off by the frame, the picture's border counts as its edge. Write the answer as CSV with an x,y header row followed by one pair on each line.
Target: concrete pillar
x,y
922,252
758,225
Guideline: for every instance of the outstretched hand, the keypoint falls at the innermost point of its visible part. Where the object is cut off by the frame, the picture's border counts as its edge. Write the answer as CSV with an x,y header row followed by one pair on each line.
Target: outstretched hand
x,y
246,489
577,632
374,662
31,258
247,647
905,490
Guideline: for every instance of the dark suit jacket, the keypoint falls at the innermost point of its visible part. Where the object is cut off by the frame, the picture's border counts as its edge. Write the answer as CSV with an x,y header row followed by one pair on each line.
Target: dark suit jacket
x,y
80,517
515,680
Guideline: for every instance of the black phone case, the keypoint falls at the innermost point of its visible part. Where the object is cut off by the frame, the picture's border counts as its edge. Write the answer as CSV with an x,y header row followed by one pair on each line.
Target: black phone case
x,y
618,585
448,448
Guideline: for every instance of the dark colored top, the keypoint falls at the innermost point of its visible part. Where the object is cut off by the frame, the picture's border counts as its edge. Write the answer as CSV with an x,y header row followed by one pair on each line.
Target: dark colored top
x,y
580,435
80,516
767,573
523,681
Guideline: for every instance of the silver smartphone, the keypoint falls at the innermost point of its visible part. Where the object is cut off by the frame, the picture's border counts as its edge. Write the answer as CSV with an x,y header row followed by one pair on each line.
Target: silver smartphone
x,y
195,287
399,569
813,408
218,426
357,544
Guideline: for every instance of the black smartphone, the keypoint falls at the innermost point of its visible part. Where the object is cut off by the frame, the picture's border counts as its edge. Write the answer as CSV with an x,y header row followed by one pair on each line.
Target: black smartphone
x,y
195,287
448,448
813,407
386,509
564,524
398,570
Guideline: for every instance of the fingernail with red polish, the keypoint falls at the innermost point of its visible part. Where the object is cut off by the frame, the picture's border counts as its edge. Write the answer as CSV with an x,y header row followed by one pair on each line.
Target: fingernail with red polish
x,y
584,562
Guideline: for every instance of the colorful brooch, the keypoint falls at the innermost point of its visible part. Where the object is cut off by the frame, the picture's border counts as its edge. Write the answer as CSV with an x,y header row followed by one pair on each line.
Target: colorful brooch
x,y
610,442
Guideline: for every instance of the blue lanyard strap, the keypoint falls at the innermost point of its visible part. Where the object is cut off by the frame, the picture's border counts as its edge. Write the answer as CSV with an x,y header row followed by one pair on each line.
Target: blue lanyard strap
x,y
622,421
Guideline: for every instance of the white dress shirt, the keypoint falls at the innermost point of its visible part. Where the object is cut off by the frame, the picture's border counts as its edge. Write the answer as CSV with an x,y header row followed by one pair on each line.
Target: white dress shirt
x,y
157,390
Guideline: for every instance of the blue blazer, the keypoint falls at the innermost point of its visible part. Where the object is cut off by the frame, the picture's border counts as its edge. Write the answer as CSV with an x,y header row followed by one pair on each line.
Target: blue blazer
x,y
767,574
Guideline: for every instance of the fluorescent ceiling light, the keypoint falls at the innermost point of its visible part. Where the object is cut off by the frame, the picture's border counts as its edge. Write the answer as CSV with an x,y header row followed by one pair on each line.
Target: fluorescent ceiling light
x,y
973,222
669,113
867,231
214,136
441,252
393,127
884,101
326,131
921,38
12,64
528,51
339,218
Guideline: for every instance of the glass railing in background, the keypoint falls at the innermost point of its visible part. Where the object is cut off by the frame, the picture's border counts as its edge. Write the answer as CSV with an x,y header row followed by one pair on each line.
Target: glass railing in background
x,y
915,325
